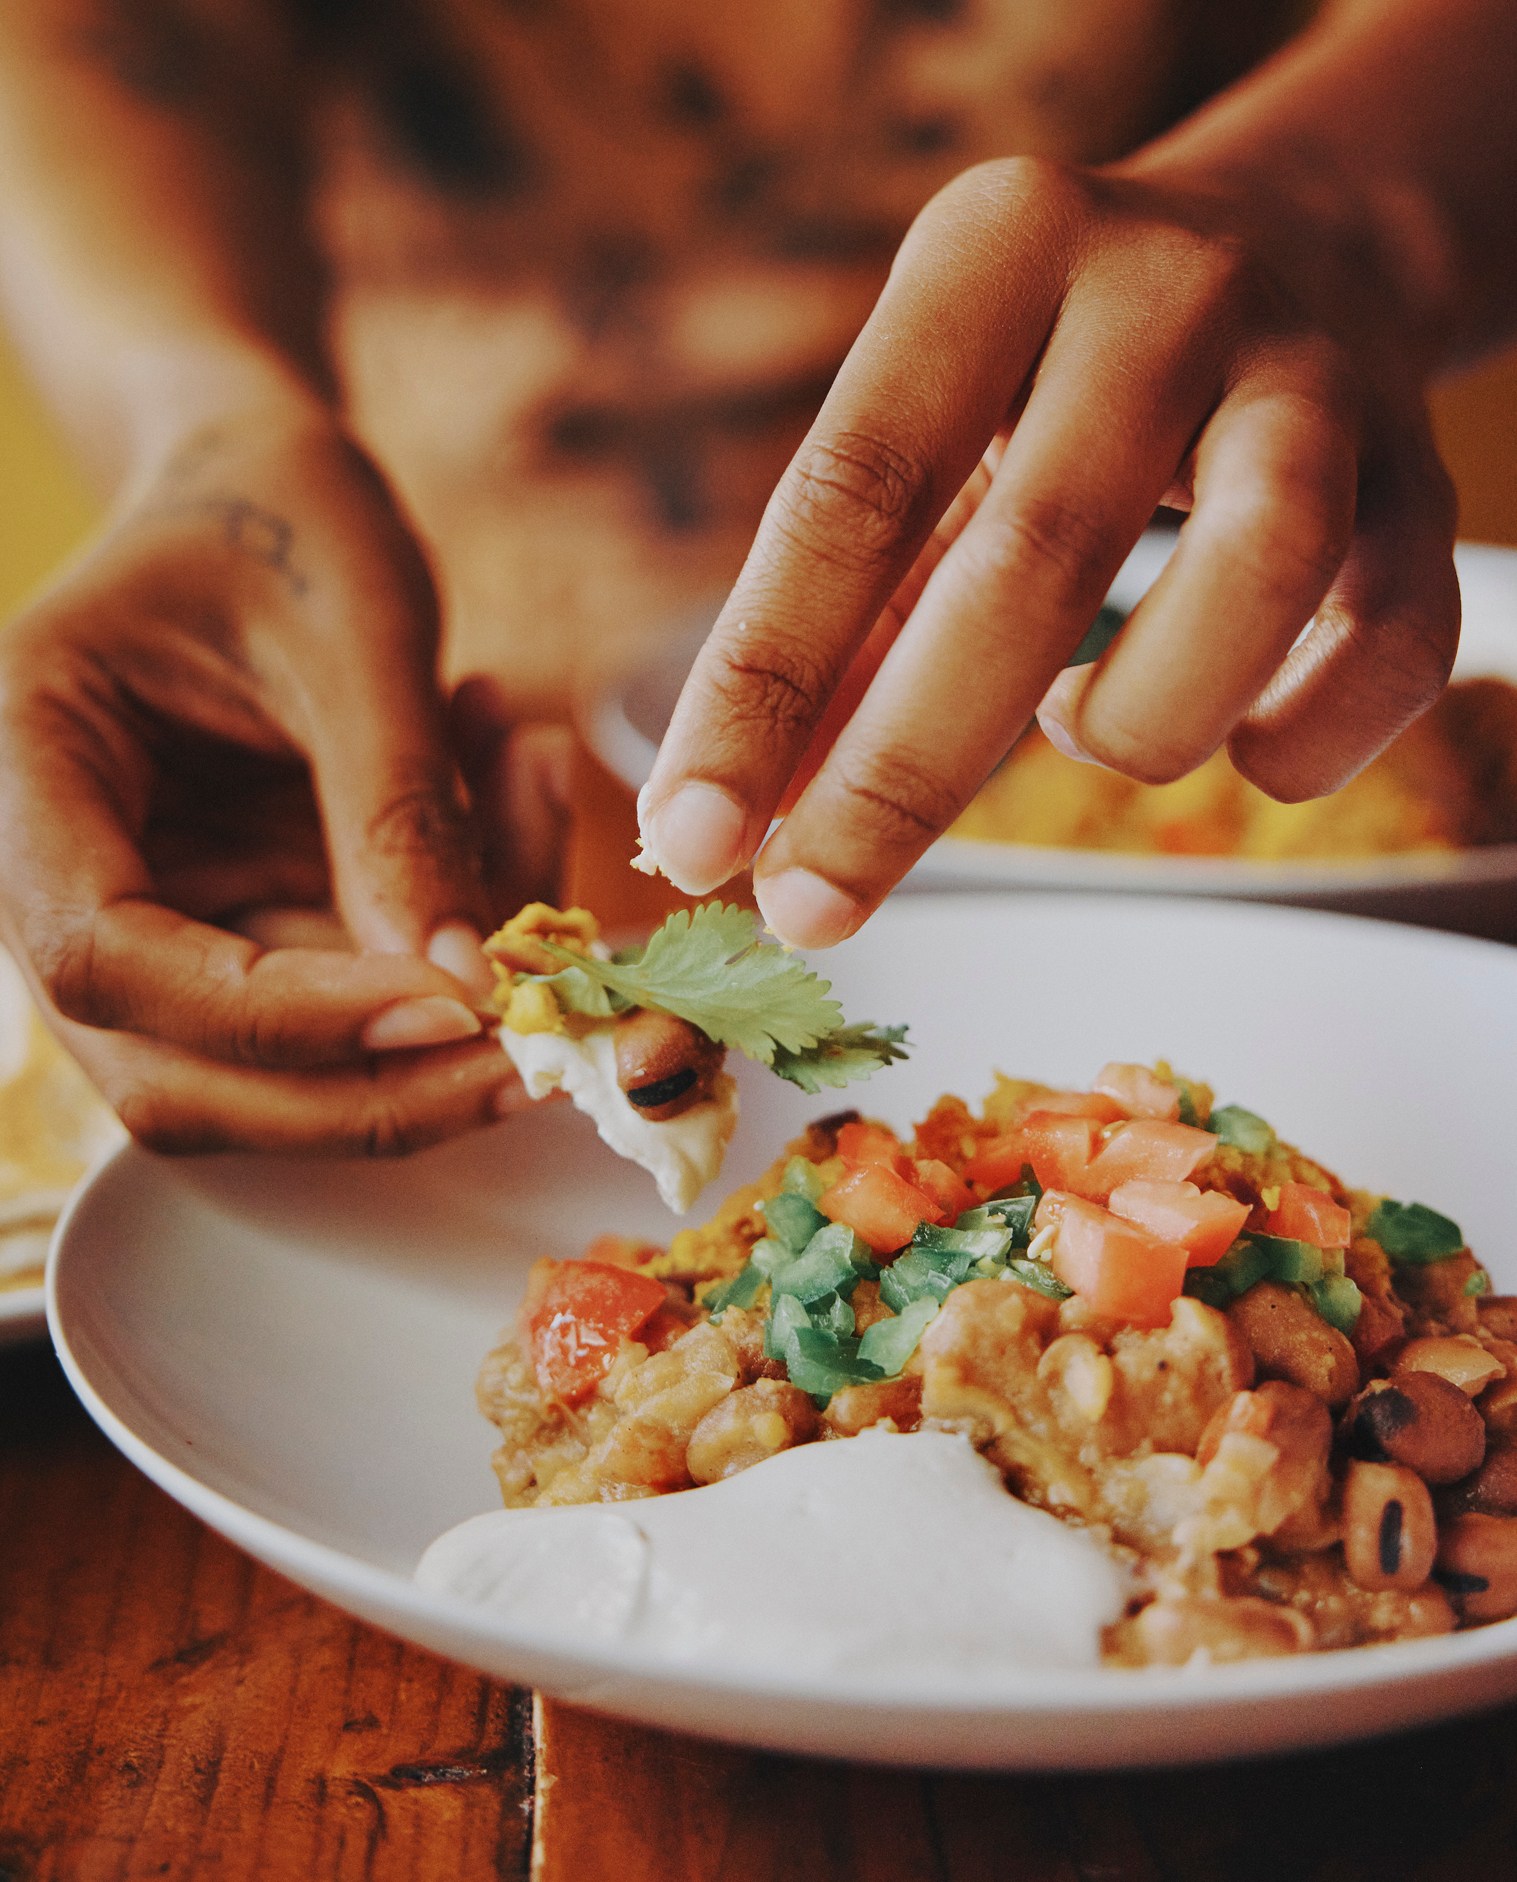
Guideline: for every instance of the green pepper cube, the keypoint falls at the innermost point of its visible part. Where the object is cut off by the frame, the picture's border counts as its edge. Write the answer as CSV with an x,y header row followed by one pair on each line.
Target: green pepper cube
x,y
1040,1278
832,1314
1338,1301
1297,1264
888,1344
792,1219
913,1277
741,1291
1244,1130
821,1364
1411,1232
802,1178
787,1316
825,1268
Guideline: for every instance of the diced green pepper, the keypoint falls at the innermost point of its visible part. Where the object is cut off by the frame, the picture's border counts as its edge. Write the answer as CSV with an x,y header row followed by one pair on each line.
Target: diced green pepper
x,y
1410,1231
802,1178
792,1219
974,1244
741,1291
914,1277
888,1344
1040,1278
833,1315
821,1364
1479,1283
1244,1130
1297,1264
787,1316
769,1256
1010,1212
1243,1266
825,1268
1338,1301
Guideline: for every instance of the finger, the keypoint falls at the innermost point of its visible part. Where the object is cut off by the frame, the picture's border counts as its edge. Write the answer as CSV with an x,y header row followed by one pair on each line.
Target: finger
x,y
1382,646
403,853
1275,484
103,953
176,1103
999,616
520,781
930,380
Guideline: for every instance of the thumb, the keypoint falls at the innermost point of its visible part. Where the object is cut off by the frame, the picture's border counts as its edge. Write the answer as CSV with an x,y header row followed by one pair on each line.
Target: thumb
x,y
403,854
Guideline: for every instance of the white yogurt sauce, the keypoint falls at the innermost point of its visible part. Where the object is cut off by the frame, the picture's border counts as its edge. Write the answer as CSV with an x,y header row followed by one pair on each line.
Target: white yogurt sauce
x,y
682,1154
902,1556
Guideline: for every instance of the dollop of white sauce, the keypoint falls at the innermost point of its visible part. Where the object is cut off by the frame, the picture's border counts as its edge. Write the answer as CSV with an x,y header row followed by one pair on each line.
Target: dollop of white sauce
x,y
897,1556
682,1154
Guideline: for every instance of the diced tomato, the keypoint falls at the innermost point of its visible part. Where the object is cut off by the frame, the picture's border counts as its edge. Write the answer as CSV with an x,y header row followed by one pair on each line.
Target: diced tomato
x,y
861,1142
1146,1150
1310,1215
1138,1092
576,1318
1078,1104
1119,1269
1205,1222
1057,1146
948,1190
879,1205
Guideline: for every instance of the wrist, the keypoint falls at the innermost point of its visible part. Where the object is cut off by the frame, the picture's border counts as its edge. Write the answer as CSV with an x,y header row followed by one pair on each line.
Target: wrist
x,y
174,395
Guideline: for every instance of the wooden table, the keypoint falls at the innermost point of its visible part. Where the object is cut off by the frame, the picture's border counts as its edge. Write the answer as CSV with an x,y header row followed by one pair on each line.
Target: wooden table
x,y
169,1709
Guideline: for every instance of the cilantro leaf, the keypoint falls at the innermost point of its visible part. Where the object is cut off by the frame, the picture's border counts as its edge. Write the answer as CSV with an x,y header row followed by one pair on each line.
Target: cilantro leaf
x,y
852,1052
578,992
711,968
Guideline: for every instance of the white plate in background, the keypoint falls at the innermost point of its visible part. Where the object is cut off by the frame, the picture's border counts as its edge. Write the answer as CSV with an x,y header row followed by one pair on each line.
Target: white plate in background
x,y
1474,889
289,1347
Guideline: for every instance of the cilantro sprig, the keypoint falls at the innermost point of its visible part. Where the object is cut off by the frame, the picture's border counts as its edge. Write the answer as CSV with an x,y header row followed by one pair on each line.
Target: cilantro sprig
x,y
711,967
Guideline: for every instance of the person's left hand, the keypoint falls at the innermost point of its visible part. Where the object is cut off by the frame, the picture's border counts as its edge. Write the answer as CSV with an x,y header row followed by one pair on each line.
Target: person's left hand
x,y
1057,353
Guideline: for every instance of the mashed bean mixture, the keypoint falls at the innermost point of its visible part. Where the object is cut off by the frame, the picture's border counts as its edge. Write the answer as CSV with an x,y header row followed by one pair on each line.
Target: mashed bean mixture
x,y
1288,1409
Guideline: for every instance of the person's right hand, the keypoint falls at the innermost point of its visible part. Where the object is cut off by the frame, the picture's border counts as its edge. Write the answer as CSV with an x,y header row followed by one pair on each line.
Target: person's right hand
x,y
230,704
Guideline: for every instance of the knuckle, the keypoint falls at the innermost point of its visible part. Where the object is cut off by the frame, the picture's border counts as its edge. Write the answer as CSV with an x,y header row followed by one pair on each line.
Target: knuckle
x,y
419,816
851,497
68,965
896,800
1049,533
387,1132
159,1125
780,687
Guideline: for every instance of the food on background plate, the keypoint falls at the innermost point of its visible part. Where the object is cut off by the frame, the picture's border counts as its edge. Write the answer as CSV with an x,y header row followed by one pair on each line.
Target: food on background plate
x,y
638,1038
1448,783
53,1125
1284,1409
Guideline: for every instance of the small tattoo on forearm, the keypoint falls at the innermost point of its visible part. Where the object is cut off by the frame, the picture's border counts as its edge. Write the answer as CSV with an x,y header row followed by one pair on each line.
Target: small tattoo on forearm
x,y
252,530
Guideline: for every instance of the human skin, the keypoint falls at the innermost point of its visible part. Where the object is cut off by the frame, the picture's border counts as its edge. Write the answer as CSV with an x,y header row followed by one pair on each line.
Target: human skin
x,y
1240,321
232,699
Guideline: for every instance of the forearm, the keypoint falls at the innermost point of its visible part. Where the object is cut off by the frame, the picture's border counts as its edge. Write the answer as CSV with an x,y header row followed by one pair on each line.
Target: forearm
x,y
1388,129
152,250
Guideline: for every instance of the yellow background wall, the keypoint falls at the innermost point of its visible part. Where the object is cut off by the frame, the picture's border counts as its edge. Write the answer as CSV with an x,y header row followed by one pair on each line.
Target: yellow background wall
x,y
46,506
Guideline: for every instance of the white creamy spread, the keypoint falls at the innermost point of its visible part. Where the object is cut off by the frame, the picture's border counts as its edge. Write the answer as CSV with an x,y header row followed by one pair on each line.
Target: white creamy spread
x,y
902,1556
682,1154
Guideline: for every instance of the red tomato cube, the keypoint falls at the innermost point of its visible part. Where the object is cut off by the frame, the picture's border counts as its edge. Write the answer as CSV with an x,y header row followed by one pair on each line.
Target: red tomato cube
x,y
1305,1214
1146,1150
1205,1222
577,1316
879,1205
1139,1092
1119,1269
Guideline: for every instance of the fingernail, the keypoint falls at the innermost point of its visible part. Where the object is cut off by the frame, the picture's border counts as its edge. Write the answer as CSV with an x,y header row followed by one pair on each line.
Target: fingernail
x,y
696,837
1063,740
458,949
431,1021
806,911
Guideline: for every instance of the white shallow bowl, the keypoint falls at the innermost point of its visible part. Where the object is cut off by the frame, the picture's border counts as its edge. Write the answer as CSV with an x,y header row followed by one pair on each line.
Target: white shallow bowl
x,y
1474,890
289,1348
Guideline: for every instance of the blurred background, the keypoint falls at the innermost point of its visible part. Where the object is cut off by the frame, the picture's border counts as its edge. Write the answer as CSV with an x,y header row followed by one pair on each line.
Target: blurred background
x,y
47,507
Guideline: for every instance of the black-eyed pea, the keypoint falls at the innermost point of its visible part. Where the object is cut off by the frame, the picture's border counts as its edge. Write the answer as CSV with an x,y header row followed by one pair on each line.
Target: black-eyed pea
x,y
1492,1489
748,1425
857,1407
1390,1535
1477,1565
1079,1376
1498,1315
1458,1357
1218,1629
1417,1419
1290,1340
